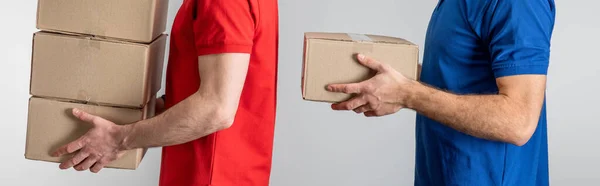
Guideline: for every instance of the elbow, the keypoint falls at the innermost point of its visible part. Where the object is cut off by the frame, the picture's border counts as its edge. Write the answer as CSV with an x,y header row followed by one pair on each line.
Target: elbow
x,y
520,139
223,119
522,132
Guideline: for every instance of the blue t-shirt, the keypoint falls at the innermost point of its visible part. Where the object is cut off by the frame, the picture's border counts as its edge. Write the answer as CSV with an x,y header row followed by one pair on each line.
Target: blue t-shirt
x,y
469,44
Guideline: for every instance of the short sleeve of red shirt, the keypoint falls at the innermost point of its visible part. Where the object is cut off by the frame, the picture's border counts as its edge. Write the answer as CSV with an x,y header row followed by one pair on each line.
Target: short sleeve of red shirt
x,y
223,26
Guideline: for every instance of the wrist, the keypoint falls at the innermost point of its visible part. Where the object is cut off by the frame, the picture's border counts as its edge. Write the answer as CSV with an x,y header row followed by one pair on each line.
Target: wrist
x,y
126,139
409,94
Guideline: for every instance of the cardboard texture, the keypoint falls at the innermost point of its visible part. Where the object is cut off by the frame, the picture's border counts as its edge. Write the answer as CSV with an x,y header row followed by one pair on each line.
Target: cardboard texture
x,y
97,71
132,20
52,125
331,58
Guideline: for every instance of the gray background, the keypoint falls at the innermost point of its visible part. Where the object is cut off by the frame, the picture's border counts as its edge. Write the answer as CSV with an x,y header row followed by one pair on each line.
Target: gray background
x,y
316,146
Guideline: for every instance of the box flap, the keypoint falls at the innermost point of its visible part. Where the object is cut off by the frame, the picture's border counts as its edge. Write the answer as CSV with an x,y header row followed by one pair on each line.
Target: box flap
x,y
89,37
356,38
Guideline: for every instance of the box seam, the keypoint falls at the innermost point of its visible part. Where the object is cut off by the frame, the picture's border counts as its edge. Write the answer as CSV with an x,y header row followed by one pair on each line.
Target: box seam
x,y
94,37
85,103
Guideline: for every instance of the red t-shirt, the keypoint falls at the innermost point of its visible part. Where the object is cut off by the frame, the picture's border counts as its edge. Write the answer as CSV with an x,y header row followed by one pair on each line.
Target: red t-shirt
x,y
240,155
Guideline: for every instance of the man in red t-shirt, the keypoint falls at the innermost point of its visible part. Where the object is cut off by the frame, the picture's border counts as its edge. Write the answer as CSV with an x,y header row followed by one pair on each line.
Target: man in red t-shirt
x,y
218,132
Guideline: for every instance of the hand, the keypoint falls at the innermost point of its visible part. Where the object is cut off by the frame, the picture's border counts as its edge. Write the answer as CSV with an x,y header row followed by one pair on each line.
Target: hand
x,y
383,94
101,145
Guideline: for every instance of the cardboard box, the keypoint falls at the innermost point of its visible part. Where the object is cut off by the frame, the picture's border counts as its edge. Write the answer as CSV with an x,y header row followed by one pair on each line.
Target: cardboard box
x,y
51,125
87,69
132,20
331,58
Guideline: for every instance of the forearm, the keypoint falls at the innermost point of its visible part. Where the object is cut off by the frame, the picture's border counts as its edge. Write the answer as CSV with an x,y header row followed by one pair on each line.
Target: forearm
x,y
193,118
492,117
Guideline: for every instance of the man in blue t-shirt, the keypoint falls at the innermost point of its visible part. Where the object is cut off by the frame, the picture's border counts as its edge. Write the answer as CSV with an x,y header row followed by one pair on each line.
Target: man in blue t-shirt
x,y
481,96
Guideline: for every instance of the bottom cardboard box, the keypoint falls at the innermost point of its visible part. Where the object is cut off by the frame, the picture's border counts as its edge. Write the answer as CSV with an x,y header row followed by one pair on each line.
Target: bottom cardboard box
x,y
52,125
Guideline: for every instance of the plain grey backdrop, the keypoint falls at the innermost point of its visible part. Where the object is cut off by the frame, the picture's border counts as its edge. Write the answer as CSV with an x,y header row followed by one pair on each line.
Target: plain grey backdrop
x,y
314,145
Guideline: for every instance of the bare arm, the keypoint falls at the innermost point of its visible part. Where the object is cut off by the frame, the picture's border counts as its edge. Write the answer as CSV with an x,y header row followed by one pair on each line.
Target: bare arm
x,y
210,109
510,116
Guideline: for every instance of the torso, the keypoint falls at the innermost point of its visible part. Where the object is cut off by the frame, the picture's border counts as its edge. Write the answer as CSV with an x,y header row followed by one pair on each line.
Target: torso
x,y
240,155
457,59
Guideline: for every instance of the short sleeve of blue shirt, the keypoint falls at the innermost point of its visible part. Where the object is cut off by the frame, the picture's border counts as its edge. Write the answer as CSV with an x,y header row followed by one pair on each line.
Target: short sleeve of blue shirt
x,y
518,35
469,44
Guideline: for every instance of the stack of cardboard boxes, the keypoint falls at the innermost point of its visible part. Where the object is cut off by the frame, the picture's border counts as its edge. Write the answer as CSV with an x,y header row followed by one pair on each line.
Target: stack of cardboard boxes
x,y
102,56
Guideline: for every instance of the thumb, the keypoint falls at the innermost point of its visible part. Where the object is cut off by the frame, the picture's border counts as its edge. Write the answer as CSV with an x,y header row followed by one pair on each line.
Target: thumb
x,y
84,116
370,63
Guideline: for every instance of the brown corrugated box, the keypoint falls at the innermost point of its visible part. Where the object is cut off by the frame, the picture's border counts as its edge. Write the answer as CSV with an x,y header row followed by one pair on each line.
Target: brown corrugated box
x,y
331,58
99,71
132,20
52,125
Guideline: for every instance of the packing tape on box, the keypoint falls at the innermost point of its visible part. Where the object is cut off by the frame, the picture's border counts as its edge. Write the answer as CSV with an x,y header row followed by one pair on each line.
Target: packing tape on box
x,y
360,37
363,43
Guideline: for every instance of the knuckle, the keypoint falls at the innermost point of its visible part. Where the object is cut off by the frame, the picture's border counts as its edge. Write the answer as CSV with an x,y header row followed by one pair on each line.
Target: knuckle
x,y
346,89
94,119
369,88
84,140
364,97
73,161
103,161
85,152
372,105
71,147
112,158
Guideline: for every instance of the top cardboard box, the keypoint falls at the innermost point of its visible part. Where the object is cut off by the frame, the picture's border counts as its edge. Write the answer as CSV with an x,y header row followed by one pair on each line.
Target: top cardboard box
x,y
331,58
131,20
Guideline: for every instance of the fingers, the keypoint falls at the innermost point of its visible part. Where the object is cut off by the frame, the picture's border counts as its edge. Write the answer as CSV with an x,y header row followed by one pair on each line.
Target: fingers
x,y
371,63
351,104
381,112
370,114
70,148
87,163
84,116
362,109
353,88
98,166
78,158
